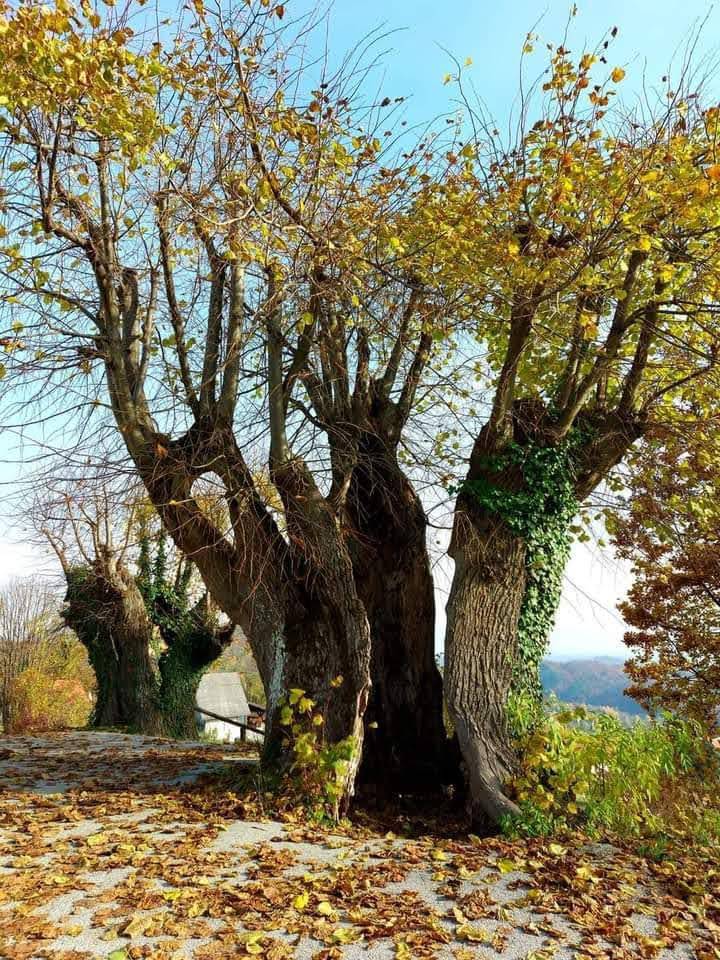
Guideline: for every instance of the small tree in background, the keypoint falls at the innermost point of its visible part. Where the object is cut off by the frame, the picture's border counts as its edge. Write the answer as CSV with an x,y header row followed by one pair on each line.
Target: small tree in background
x,y
143,616
671,534
28,620
56,690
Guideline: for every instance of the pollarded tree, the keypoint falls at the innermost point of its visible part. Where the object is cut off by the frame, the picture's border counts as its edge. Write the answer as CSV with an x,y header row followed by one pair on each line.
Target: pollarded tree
x,y
348,343
225,246
671,534
189,626
103,605
595,251
150,633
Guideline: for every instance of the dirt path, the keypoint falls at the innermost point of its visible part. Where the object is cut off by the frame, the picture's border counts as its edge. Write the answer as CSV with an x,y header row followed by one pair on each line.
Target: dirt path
x,y
110,847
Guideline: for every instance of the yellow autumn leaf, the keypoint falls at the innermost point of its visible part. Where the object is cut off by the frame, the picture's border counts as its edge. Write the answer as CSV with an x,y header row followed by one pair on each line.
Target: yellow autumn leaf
x,y
473,934
253,942
617,75
95,839
301,900
136,926
345,935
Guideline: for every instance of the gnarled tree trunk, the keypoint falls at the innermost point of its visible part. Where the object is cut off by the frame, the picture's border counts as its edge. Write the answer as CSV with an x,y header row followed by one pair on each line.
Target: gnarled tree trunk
x,y
506,585
106,610
326,637
406,748
325,653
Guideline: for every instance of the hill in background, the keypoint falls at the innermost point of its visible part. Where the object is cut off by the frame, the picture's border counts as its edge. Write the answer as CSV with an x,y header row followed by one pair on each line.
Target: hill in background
x,y
595,681
592,681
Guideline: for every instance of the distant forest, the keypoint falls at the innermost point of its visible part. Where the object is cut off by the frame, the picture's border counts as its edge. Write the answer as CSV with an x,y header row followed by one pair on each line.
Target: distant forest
x,y
597,682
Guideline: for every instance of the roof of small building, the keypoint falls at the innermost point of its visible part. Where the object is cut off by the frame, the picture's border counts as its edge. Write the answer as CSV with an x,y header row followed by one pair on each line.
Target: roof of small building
x,y
223,693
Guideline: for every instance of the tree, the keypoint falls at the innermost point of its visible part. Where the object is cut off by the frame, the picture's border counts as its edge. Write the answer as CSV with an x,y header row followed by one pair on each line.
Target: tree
x,y
252,277
243,240
671,534
56,690
595,247
103,604
149,640
190,628
28,617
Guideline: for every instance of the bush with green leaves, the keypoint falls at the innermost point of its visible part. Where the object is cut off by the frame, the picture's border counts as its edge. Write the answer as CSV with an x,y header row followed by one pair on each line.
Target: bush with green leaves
x,y
586,770
319,768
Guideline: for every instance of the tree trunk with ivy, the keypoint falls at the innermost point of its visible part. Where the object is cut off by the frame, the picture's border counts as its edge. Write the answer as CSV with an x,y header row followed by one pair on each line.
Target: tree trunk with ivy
x,y
196,644
193,636
106,610
406,746
483,612
511,543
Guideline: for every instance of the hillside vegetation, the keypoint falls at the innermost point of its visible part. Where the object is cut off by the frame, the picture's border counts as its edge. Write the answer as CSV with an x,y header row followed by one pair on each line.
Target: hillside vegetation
x,y
596,682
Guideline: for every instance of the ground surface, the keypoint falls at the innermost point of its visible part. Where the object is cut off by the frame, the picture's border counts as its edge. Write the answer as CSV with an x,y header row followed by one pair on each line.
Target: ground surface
x,y
108,847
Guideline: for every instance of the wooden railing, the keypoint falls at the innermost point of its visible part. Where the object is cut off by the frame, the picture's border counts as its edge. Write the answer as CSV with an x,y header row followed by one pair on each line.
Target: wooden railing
x,y
244,727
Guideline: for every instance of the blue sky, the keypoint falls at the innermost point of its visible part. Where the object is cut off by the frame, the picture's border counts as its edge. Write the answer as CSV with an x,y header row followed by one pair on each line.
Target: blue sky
x,y
421,35
423,32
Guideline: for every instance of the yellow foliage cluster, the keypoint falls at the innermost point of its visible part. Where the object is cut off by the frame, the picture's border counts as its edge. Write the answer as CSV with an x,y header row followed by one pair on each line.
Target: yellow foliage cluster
x,y
55,691
59,57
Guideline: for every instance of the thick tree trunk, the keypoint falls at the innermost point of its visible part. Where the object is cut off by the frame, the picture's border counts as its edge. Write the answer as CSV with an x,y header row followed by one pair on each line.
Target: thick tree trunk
x,y
406,747
508,575
326,632
325,653
180,673
137,680
108,614
192,646
481,647
108,710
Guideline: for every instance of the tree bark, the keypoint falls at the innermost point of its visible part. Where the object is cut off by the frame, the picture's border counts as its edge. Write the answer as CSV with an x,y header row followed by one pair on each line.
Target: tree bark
x,y
106,610
489,589
481,646
193,644
406,747
180,674
327,636
325,653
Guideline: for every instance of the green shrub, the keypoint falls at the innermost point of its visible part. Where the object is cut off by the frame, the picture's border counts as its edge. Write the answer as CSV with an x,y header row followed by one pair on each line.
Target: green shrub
x,y
319,768
586,770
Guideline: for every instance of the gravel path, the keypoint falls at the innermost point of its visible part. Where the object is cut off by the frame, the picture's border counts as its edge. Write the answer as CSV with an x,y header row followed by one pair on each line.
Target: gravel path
x,y
117,846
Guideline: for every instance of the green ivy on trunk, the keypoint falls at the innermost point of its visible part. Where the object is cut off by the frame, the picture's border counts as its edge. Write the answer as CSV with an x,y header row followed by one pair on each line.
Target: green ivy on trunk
x,y
541,512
